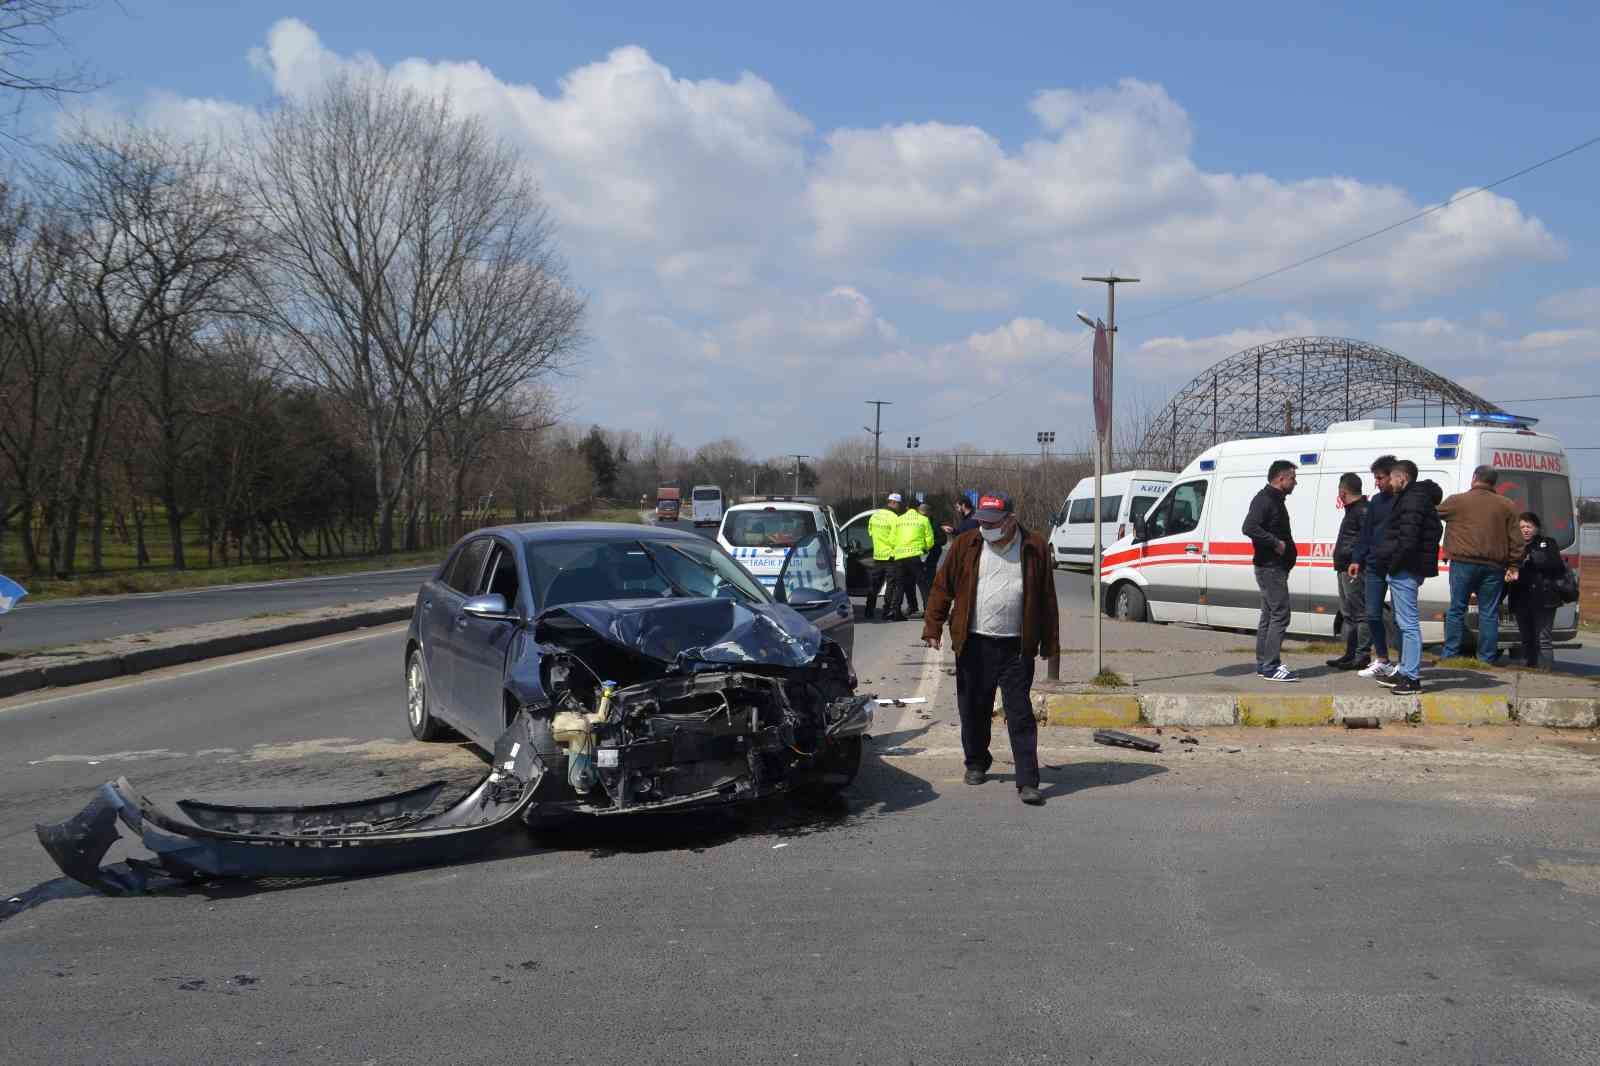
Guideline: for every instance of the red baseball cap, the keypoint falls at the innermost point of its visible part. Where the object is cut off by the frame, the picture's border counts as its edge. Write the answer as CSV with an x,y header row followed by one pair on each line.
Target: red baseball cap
x,y
992,507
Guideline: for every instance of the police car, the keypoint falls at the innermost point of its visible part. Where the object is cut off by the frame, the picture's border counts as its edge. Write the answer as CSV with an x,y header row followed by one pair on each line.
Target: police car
x,y
760,532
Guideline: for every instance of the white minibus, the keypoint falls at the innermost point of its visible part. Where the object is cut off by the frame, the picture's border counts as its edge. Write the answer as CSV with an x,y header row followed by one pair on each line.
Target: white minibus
x,y
1124,496
705,505
1189,561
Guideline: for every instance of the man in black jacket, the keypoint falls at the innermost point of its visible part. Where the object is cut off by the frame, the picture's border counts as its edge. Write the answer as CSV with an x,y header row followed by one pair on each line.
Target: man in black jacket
x,y
1267,526
1409,554
1352,589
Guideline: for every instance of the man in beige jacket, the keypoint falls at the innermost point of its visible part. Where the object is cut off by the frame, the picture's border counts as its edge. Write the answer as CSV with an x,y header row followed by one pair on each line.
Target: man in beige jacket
x,y
1484,545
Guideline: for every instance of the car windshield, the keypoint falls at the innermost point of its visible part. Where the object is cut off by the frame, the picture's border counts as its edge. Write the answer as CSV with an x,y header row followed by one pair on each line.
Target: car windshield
x,y
565,572
767,528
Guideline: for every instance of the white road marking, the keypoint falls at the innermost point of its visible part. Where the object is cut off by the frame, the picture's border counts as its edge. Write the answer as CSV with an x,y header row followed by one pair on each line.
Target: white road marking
x,y
90,601
118,684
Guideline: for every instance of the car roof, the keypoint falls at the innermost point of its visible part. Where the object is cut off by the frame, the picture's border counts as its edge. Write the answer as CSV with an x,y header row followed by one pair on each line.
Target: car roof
x,y
557,532
775,505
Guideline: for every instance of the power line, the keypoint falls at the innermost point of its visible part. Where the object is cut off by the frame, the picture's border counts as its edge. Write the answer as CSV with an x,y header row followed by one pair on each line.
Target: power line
x,y
1425,212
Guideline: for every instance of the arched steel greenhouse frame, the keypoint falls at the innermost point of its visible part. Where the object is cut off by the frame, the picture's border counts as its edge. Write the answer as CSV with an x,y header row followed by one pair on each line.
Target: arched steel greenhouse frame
x,y
1297,385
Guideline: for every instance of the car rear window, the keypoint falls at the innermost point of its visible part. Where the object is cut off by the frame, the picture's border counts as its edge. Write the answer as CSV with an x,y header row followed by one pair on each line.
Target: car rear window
x,y
768,528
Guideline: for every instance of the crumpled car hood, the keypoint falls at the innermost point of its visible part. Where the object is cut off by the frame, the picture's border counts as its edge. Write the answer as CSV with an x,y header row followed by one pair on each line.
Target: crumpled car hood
x,y
690,632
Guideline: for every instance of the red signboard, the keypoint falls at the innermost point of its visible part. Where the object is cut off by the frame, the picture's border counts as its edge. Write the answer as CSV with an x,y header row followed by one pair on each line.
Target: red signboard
x,y
1102,380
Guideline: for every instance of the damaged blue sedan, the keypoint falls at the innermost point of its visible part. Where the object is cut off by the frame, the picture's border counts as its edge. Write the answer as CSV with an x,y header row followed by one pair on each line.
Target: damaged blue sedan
x,y
606,669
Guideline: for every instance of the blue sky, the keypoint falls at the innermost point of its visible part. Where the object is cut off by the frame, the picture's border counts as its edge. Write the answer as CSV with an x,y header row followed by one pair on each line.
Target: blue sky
x,y
780,212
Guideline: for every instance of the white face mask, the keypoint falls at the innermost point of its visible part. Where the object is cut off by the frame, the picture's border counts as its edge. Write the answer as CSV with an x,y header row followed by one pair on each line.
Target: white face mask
x,y
992,535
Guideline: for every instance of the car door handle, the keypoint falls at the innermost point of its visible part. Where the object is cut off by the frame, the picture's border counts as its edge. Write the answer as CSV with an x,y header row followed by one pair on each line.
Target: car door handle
x,y
427,605
1191,549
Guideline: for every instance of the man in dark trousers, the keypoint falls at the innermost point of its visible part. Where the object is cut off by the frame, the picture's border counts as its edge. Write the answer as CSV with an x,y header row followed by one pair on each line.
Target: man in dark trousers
x,y
997,589
1352,590
1483,541
1409,554
1267,526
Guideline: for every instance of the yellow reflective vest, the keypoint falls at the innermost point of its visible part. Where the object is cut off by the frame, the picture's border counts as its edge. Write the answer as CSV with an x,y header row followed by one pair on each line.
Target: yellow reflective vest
x,y
913,535
880,527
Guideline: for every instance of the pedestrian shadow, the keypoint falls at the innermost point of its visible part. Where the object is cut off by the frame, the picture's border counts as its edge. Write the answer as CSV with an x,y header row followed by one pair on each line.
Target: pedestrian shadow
x,y
1447,679
1067,778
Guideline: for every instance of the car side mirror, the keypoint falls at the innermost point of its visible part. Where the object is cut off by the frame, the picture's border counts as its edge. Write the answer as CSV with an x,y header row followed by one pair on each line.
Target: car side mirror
x,y
490,608
1138,530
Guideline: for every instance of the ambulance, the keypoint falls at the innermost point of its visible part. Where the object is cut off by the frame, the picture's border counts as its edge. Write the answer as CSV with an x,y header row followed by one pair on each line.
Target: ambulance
x,y
1188,561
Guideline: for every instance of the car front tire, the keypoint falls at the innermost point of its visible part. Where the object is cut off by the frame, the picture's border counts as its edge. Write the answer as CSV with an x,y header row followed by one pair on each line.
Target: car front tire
x,y
419,707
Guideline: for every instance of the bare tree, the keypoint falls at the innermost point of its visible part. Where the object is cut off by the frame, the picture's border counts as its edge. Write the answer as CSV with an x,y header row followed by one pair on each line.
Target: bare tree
x,y
155,251
28,30
413,269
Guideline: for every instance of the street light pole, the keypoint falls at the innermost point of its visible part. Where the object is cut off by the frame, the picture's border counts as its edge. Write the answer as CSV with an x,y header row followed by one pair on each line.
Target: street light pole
x,y
912,443
877,440
1045,439
797,458
1102,456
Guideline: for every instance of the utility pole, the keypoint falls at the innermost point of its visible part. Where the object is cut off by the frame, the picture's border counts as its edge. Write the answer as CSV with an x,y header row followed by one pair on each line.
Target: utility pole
x,y
797,458
876,429
1102,454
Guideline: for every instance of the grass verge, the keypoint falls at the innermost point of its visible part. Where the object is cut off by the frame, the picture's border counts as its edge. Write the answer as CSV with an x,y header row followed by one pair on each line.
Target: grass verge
x,y
167,580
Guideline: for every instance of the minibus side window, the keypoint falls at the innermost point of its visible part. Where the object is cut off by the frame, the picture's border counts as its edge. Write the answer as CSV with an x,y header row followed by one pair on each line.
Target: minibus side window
x,y
1109,506
1082,510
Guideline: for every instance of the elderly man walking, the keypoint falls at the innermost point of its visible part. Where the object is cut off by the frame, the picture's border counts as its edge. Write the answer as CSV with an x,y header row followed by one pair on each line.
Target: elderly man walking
x,y
997,590
1267,526
1483,541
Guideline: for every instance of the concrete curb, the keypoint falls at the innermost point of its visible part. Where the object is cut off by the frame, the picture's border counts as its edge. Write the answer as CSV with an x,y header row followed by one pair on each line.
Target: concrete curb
x,y
1267,711
139,653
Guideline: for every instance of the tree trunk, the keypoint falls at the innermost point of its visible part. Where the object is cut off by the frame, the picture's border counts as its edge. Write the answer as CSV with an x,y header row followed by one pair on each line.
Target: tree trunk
x,y
174,530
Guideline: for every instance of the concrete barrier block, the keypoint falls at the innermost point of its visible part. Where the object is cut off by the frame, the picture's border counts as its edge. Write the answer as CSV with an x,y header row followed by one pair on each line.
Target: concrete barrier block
x,y
1091,710
1274,710
83,671
1192,711
1579,713
1383,707
1459,708
13,682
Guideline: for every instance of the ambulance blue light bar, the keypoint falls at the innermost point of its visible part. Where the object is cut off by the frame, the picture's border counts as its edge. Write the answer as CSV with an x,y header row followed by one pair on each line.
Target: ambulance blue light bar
x,y
1497,418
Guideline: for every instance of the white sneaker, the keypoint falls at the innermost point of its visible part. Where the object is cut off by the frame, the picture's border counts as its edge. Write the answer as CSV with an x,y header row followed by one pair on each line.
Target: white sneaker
x,y
1379,668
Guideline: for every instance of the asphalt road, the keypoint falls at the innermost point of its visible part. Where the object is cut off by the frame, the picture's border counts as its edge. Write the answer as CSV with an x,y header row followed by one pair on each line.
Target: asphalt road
x,y
1407,897
53,623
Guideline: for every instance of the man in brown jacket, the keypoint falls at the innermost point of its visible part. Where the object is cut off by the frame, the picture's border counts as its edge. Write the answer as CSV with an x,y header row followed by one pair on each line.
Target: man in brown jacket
x,y
997,589
1484,544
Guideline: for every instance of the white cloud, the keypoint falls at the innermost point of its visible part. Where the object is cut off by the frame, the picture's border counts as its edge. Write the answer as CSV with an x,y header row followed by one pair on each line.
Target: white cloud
x,y
1574,305
1112,181
732,253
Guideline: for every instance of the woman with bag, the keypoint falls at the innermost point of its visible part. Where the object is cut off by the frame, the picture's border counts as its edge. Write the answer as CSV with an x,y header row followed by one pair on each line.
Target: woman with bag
x,y
1536,591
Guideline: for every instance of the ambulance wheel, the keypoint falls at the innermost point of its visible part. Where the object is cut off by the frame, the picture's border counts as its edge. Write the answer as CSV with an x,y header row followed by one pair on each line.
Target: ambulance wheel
x,y
1128,604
